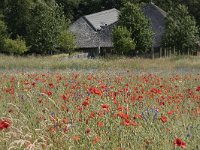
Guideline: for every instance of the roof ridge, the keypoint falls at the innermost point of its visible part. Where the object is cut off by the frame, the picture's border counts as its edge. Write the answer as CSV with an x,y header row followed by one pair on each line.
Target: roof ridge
x,y
158,8
94,20
89,23
102,12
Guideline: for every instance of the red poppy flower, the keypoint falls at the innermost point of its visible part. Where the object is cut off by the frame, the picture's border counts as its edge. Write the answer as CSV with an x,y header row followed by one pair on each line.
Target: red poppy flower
x,y
92,115
89,77
127,122
4,124
162,103
49,93
98,92
164,119
87,131
85,103
96,140
170,112
64,97
178,142
105,107
51,85
100,124
198,89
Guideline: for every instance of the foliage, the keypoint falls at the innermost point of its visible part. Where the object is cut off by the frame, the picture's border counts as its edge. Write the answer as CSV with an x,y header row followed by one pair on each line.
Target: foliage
x,y
194,9
87,7
17,46
7,45
67,41
134,20
69,7
193,6
181,29
3,32
122,40
47,23
17,16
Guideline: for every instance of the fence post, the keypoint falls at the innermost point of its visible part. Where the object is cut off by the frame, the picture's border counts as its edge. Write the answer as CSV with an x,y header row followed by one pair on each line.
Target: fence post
x,y
152,52
160,52
188,52
174,51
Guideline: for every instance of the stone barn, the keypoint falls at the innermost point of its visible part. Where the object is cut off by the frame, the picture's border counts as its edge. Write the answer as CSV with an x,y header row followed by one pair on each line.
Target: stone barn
x,y
94,31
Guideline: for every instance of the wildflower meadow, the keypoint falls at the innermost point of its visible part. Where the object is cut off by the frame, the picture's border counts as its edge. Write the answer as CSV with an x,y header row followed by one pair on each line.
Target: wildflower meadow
x,y
99,111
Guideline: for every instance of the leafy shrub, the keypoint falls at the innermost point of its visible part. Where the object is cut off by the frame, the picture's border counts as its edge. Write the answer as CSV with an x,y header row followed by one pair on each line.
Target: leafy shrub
x,y
123,42
66,41
17,46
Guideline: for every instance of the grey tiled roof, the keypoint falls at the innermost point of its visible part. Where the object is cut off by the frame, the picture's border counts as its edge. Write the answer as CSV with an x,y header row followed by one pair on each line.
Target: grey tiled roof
x,y
103,18
89,33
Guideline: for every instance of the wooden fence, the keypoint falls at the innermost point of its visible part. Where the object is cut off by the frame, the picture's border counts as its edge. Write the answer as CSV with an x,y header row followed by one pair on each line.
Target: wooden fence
x,y
169,52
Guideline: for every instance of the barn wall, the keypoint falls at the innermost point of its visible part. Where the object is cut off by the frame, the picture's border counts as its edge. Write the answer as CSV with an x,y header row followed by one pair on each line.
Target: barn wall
x,y
156,17
85,35
106,36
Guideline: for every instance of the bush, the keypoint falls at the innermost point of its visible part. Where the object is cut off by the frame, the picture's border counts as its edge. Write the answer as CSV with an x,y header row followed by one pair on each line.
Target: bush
x,y
17,46
122,40
66,41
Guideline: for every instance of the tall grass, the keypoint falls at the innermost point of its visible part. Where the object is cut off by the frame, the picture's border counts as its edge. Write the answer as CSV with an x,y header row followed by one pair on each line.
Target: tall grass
x,y
60,111
121,63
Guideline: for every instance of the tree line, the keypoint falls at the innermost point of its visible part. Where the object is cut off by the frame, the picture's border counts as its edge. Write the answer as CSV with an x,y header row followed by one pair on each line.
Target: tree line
x,y
41,26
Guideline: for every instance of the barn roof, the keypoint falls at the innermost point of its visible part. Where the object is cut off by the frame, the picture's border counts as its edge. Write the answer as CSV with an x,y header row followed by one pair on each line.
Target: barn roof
x,y
156,17
102,18
96,29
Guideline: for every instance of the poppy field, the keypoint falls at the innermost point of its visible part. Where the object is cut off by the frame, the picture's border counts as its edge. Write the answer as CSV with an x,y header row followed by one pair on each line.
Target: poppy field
x,y
99,111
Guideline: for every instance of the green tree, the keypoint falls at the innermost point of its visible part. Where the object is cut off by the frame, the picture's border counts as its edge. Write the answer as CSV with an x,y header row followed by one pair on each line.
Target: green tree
x,y
47,23
87,7
69,7
181,29
123,43
132,17
3,32
108,4
194,9
193,6
17,16
67,42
